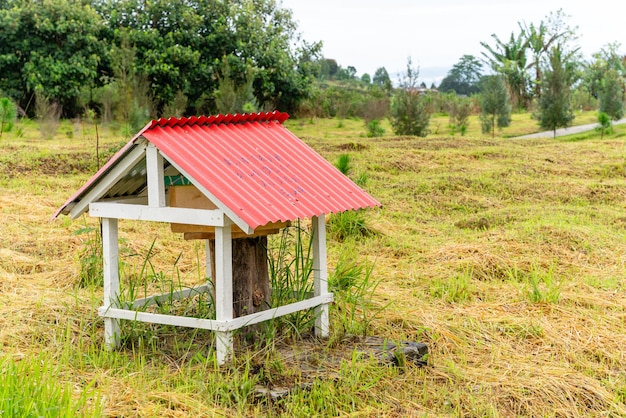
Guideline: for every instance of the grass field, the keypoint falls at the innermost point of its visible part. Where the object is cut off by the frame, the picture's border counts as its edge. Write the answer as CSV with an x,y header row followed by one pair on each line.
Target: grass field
x,y
506,257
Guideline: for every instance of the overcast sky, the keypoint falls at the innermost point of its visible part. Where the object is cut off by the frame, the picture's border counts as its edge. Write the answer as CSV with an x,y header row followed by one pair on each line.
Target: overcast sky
x,y
368,34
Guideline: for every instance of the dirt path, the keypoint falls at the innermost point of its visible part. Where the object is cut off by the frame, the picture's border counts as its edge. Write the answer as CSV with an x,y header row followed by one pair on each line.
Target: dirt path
x,y
567,131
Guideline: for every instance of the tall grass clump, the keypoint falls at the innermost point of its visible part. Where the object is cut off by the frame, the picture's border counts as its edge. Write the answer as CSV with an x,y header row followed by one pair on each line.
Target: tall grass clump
x,y
354,286
8,115
91,262
349,223
31,388
290,267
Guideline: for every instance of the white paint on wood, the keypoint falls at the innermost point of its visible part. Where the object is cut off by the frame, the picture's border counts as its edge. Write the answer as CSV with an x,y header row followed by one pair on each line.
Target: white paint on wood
x,y
320,275
229,213
171,296
109,180
222,326
155,177
223,290
166,214
153,318
272,313
110,251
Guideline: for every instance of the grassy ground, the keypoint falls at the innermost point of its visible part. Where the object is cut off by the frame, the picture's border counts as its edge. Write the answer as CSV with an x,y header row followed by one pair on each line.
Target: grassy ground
x,y
505,256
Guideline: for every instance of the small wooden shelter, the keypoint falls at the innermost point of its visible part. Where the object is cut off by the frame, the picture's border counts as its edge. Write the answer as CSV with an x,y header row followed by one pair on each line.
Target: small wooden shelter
x,y
225,179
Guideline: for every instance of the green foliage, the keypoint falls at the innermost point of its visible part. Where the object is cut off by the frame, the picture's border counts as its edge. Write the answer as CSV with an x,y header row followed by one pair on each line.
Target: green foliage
x,y
381,78
510,59
554,104
8,115
231,97
455,289
612,95
348,224
290,267
32,387
374,129
464,76
410,113
354,287
604,124
494,103
50,46
459,110
542,286
67,49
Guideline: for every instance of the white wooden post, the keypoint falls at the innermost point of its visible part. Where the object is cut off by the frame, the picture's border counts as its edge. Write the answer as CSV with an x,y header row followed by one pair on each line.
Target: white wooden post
x,y
223,290
320,274
110,251
155,177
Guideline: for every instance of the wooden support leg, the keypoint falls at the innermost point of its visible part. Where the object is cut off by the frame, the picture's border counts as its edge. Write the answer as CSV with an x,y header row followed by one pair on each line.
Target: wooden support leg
x,y
223,290
320,275
110,250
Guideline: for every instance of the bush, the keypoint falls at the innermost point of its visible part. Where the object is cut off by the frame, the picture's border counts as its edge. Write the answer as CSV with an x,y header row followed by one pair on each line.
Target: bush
x,y
8,115
374,129
410,113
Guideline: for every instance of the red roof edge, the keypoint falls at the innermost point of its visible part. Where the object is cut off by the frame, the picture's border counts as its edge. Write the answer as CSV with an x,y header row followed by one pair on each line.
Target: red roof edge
x,y
277,116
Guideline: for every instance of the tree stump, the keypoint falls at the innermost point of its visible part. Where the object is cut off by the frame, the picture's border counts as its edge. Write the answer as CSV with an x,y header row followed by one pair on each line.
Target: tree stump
x,y
251,283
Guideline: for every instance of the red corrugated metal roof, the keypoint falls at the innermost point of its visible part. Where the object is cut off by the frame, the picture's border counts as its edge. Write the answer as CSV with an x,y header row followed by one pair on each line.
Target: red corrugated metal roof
x,y
253,165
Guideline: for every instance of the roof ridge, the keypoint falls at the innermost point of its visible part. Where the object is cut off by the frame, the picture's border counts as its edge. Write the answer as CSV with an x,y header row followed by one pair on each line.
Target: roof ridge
x,y
280,117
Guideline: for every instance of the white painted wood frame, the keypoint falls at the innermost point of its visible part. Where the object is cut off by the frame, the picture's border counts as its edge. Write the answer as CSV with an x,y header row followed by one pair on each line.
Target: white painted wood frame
x,y
223,290
223,326
167,214
155,177
320,275
109,180
110,255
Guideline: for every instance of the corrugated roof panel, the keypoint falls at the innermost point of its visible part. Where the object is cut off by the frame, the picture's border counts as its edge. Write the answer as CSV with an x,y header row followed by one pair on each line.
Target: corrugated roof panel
x,y
260,170
250,162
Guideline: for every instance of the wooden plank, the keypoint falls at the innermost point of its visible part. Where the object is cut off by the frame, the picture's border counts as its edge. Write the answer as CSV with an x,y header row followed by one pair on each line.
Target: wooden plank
x,y
180,321
155,177
166,214
109,180
189,197
223,290
236,235
255,318
183,228
110,256
229,213
177,295
210,324
320,275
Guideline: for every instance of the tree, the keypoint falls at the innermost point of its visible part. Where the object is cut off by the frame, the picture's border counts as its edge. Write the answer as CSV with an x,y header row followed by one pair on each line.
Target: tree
x,y
509,60
554,104
612,95
495,105
53,47
410,114
366,79
554,30
609,57
463,77
381,78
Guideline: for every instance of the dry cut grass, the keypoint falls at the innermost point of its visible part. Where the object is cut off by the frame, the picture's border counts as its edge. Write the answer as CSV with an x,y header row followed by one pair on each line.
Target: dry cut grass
x,y
507,257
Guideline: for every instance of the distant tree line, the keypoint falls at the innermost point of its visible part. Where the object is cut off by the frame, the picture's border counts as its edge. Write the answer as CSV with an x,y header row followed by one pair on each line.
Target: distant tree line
x,y
161,56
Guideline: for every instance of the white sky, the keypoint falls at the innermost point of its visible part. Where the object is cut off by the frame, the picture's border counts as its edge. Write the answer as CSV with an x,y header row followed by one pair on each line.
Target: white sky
x,y
369,34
